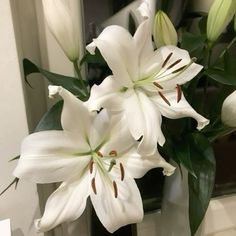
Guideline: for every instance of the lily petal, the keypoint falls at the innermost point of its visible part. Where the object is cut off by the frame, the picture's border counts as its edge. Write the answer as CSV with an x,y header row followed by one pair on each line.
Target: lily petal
x,y
118,49
67,203
100,129
179,109
137,166
152,122
115,211
107,94
120,137
143,41
80,121
132,106
47,157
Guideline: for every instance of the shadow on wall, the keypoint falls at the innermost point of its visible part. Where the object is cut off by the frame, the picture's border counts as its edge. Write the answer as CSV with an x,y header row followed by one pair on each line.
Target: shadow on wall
x,y
17,232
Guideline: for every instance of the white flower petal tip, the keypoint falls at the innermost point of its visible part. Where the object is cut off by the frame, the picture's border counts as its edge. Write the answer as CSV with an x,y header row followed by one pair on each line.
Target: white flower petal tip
x,y
37,226
53,90
202,123
91,48
168,171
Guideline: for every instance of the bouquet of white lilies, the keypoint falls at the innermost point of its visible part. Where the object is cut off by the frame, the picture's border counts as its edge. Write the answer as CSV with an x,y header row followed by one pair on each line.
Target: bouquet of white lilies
x,y
104,136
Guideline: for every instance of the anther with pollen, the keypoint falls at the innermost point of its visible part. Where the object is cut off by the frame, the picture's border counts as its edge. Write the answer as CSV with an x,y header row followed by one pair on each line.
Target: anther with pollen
x,y
115,189
122,171
167,59
179,93
174,64
178,70
93,185
91,166
157,85
113,153
99,154
164,98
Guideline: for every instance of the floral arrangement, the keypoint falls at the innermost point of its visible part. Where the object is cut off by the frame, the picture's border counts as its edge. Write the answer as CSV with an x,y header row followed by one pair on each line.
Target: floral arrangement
x,y
100,138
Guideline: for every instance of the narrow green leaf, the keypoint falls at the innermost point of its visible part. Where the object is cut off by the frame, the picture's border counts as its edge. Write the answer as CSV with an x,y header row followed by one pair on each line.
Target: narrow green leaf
x,y
15,181
221,76
182,151
200,188
52,119
15,158
69,83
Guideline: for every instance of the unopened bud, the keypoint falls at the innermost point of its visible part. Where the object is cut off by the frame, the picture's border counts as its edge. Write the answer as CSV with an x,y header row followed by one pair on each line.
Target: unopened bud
x,y
220,14
164,32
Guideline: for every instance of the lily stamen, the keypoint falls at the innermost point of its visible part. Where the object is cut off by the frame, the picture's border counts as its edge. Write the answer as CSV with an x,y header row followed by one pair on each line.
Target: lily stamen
x,y
178,70
113,153
122,171
115,189
179,93
93,185
91,166
167,59
157,85
164,98
99,153
173,64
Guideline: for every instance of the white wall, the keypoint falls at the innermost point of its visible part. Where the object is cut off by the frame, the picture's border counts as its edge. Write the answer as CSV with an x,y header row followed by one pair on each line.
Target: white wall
x,y
20,206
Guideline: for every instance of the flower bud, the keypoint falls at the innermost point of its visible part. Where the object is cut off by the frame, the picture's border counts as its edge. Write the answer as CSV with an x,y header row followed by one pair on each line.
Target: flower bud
x,y
164,32
228,112
235,22
63,25
220,14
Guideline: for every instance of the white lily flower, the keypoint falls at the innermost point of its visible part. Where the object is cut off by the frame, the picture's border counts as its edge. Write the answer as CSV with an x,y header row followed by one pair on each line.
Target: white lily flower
x,y
63,24
92,156
145,84
228,111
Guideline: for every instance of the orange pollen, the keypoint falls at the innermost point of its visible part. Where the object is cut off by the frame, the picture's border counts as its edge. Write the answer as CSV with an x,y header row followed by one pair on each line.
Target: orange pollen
x,y
167,59
157,85
122,171
113,153
164,98
173,64
179,93
99,154
91,166
115,189
93,184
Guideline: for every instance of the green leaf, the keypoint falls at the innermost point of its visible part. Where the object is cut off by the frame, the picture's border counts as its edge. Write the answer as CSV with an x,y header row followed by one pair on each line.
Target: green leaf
x,y
132,23
15,158
200,189
69,83
192,42
221,76
182,152
15,181
52,119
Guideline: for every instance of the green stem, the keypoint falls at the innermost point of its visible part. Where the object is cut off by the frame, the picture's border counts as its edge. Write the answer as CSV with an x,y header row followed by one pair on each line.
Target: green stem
x,y
77,70
228,47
